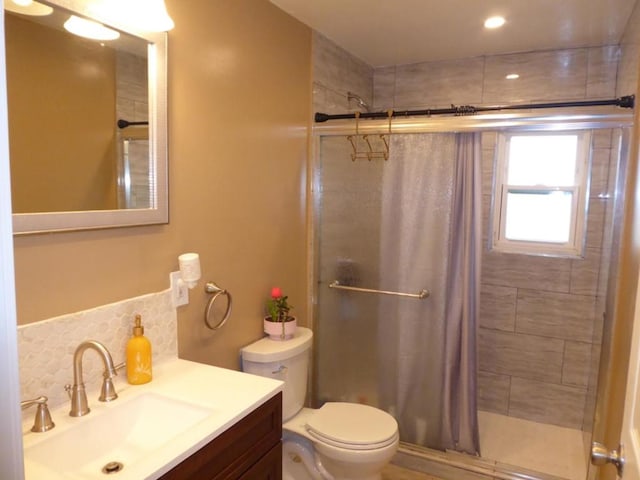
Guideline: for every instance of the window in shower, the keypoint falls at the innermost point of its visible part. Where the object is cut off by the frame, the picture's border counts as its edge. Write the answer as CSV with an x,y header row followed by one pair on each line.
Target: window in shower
x,y
540,195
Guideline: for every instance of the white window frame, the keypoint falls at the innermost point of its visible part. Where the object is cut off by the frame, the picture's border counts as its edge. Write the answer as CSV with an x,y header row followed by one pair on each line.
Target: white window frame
x,y
574,247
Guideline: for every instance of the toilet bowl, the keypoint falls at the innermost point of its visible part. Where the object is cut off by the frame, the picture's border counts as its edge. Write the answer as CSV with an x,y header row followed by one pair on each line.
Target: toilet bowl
x,y
338,441
347,440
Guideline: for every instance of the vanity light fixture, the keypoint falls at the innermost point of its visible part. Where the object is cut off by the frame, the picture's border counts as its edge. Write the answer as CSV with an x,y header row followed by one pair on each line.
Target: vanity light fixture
x,y
89,29
28,7
494,22
152,15
512,76
141,15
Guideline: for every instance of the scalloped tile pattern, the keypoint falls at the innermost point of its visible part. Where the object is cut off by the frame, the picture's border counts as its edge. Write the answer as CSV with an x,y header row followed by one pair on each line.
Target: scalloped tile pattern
x,y
46,348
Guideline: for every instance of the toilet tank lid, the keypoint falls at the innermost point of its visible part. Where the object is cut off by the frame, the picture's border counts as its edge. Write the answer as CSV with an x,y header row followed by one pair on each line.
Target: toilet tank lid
x,y
266,350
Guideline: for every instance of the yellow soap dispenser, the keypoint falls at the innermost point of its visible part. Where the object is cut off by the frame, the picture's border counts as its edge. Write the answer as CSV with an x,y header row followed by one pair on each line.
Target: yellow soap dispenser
x,y
138,355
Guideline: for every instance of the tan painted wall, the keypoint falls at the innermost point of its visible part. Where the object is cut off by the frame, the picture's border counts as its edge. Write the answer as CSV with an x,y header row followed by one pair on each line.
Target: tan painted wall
x,y
61,120
239,107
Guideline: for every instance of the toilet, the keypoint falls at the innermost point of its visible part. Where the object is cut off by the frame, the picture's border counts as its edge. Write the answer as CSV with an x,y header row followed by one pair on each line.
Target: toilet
x,y
338,441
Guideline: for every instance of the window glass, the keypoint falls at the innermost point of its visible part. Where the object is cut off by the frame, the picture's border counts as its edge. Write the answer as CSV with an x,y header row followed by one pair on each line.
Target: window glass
x,y
539,216
540,192
542,160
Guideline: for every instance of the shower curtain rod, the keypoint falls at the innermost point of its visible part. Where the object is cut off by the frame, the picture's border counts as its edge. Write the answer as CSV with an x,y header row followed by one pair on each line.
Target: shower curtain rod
x,y
126,123
623,102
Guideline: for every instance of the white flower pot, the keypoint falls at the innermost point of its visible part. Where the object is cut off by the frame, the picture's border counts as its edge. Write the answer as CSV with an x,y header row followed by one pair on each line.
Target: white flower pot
x,y
274,329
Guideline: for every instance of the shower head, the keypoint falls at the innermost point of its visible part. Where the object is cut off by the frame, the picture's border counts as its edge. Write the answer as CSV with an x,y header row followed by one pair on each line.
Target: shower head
x,y
358,99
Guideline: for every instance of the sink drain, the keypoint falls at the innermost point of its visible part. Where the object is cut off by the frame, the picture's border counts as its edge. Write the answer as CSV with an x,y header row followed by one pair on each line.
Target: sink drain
x,y
112,467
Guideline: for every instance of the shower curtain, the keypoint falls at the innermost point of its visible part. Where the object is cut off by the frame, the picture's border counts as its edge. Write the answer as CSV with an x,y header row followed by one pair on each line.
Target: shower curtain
x,y
460,414
398,225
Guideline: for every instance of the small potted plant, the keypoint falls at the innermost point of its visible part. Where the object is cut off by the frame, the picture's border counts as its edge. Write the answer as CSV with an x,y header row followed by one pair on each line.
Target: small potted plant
x,y
278,324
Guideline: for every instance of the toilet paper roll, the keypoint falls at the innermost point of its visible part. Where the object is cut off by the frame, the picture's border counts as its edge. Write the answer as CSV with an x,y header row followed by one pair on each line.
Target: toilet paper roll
x,y
189,268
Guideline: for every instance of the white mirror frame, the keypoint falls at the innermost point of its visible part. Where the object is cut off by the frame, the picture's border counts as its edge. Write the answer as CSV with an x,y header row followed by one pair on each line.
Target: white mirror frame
x,y
29,223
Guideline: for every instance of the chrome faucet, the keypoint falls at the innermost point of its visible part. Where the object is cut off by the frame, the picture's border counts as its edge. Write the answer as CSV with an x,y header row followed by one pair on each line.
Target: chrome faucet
x,y
79,405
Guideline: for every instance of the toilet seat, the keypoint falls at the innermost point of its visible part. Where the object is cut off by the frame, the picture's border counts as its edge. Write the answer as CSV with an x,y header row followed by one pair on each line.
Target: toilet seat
x,y
352,426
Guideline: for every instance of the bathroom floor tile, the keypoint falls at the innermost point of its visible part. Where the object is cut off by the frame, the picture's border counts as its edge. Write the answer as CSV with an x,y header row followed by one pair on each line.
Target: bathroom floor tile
x,y
393,472
539,447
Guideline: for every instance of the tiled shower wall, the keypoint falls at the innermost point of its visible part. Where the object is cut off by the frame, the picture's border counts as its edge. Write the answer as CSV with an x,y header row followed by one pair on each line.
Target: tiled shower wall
x,y
541,317
538,314
132,105
335,74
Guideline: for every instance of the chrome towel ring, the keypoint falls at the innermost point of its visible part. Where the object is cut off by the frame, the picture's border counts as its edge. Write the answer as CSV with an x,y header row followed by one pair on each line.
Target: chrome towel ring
x,y
211,287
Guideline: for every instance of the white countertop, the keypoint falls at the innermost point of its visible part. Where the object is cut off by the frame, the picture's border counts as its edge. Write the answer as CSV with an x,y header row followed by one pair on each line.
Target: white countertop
x,y
227,395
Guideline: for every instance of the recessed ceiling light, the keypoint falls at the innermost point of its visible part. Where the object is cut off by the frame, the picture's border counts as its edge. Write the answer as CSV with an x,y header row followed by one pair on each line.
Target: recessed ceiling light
x,y
494,22
512,76
89,29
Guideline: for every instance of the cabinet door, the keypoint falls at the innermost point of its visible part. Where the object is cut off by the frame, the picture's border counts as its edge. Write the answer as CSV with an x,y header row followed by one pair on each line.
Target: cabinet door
x,y
235,451
268,467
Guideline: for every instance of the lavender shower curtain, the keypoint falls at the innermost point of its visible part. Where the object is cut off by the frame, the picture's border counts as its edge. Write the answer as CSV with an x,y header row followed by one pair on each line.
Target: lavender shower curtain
x,y
460,418
406,224
431,238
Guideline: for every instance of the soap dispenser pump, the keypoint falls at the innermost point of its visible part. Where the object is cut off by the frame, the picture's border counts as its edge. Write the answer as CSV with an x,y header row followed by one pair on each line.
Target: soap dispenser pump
x,y
138,355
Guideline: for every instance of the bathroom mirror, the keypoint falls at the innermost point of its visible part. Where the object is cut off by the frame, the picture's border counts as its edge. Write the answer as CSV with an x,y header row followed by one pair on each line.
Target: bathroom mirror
x,y
72,166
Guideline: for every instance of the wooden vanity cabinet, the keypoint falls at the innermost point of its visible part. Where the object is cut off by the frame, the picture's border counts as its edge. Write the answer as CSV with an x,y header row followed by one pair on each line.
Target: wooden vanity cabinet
x,y
249,450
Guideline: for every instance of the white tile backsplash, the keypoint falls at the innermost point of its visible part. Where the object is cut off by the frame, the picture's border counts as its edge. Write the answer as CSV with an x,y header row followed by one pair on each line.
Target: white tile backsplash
x,y
46,348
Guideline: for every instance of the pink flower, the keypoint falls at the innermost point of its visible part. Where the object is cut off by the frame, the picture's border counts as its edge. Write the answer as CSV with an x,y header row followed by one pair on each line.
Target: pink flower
x,y
277,306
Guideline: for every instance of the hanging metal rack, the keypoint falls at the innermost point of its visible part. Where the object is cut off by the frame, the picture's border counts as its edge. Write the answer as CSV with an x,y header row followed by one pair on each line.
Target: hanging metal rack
x,y
369,153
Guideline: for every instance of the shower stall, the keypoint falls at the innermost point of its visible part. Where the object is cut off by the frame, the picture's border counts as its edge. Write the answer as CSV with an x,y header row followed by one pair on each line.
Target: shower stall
x,y
414,312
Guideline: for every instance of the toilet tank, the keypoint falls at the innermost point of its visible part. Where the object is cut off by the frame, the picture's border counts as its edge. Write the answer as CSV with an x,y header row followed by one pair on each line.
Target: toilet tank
x,y
285,360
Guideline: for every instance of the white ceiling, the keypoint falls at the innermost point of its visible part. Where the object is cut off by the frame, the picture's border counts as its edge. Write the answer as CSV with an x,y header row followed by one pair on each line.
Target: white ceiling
x,y
393,32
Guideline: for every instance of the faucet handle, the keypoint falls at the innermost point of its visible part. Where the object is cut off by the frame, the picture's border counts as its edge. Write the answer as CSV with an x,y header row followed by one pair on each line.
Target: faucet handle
x,y
42,421
108,390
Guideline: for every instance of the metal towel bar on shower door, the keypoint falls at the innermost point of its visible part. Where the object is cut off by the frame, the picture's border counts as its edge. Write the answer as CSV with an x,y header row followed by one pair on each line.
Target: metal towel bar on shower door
x,y
420,295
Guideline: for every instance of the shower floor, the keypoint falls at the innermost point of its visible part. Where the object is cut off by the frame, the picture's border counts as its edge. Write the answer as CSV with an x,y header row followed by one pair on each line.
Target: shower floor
x,y
535,446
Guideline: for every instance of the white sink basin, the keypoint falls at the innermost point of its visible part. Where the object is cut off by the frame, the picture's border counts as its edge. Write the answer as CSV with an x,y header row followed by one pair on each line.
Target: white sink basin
x,y
149,429
124,434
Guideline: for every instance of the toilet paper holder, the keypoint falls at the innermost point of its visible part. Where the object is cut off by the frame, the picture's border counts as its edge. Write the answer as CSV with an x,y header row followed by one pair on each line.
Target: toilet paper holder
x,y
211,287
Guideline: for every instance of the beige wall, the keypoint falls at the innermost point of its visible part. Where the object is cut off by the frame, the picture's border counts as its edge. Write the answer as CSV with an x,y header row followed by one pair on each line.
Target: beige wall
x,y
239,106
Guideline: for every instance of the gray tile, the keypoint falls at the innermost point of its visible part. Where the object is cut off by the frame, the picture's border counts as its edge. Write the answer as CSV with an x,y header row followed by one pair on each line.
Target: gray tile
x,y
601,138
487,171
577,364
589,411
599,172
498,307
557,315
590,404
384,84
489,140
598,321
547,403
526,271
628,71
493,392
437,84
602,71
337,69
585,273
548,75
595,222
526,356
486,221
